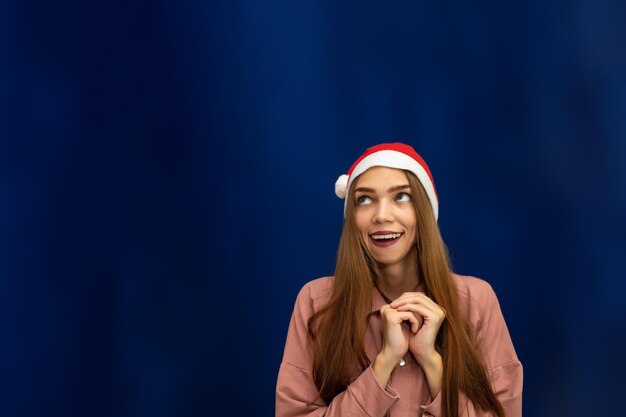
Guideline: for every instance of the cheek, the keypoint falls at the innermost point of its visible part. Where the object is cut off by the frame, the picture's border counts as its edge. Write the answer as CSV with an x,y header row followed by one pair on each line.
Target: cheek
x,y
360,219
408,218
362,228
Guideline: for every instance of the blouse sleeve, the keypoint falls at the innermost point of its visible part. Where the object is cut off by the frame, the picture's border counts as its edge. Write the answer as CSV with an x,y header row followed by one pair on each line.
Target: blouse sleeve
x,y
296,393
503,366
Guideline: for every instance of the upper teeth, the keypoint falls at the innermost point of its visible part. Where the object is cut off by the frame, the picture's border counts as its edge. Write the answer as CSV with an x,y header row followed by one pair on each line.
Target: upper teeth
x,y
390,236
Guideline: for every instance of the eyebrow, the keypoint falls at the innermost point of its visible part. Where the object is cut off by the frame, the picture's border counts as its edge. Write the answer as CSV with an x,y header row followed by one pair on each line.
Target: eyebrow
x,y
390,190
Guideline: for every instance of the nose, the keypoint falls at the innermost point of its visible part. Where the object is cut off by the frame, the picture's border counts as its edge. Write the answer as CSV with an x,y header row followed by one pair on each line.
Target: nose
x,y
383,212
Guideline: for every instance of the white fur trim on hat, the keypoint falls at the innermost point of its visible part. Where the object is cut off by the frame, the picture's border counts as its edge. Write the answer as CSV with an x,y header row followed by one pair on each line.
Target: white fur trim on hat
x,y
399,160
341,186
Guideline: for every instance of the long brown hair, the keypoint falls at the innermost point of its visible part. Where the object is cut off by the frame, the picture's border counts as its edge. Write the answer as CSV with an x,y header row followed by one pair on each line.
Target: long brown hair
x,y
337,330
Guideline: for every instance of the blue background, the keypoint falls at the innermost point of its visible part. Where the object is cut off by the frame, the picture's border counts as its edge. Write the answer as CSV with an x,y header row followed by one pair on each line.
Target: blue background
x,y
167,173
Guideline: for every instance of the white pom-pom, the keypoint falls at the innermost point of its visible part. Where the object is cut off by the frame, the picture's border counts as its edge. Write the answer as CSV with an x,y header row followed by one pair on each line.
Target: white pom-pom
x,y
341,186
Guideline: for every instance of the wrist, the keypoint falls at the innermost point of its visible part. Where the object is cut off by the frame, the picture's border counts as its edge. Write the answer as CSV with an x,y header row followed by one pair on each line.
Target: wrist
x,y
433,370
430,362
382,367
386,361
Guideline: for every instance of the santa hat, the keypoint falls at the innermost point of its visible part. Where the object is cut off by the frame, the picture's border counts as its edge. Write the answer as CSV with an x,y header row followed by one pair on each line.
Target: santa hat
x,y
392,155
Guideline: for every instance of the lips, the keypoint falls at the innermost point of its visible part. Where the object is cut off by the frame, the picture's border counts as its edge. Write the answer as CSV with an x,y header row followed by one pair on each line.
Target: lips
x,y
385,238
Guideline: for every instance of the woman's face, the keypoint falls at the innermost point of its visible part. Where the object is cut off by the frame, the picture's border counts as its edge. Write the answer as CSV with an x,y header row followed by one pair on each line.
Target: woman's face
x,y
385,215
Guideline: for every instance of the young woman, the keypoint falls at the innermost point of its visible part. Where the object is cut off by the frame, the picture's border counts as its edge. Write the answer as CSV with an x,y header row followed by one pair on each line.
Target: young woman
x,y
394,332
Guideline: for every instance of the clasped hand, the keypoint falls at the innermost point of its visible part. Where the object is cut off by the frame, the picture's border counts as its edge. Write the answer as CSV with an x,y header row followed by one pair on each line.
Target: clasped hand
x,y
424,318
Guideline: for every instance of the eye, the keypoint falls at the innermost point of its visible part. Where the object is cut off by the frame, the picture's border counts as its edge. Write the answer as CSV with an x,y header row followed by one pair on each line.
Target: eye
x,y
361,200
403,197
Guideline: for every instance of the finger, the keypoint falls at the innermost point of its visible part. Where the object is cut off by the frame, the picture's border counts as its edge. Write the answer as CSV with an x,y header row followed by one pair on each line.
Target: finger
x,y
390,315
402,316
418,317
407,305
414,323
404,296
418,298
429,315
411,297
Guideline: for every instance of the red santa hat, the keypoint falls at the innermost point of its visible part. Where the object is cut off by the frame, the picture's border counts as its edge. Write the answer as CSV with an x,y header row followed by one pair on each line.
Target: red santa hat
x,y
392,155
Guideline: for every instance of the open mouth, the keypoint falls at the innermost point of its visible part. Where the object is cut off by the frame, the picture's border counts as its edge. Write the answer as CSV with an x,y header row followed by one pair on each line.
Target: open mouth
x,y
384,239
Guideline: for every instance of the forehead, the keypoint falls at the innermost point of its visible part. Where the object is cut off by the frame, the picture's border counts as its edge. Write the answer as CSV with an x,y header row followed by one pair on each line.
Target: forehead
x,y
382,177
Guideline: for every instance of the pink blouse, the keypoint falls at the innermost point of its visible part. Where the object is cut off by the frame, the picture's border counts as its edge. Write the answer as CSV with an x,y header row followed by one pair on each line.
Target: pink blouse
x,y
407,393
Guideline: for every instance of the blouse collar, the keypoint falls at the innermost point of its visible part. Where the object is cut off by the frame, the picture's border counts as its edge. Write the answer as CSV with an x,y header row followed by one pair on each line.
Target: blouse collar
x,y
378,300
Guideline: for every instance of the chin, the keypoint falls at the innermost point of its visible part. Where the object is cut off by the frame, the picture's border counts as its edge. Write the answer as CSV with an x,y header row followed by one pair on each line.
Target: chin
x,y
387,261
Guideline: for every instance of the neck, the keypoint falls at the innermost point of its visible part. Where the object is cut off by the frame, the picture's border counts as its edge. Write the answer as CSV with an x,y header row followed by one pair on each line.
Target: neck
x,y
399,278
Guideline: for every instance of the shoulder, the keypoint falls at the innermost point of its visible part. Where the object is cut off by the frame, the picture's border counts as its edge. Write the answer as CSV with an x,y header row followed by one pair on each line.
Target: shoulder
x,y
478,301
315,293
318,285
477,298
472,289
